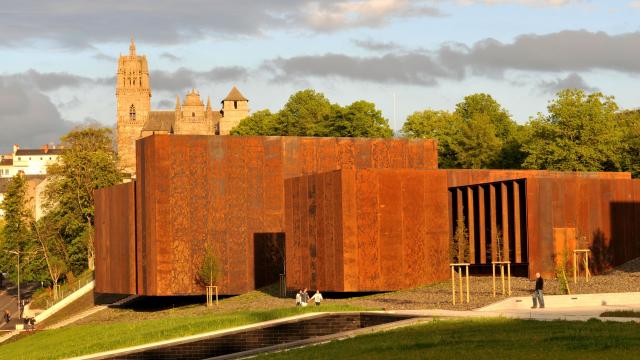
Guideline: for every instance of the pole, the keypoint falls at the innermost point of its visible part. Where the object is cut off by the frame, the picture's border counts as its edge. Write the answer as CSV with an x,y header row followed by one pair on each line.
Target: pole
x,y
502,277
493,268
467,267
20,312
509,276
460,277
575,268
453,285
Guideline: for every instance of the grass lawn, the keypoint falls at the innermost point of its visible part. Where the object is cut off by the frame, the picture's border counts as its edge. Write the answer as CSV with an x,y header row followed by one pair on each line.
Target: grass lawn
x,y
485,339
85,339
621,313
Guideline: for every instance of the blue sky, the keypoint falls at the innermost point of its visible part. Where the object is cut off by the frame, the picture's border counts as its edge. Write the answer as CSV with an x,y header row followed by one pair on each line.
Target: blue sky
x,y
59,58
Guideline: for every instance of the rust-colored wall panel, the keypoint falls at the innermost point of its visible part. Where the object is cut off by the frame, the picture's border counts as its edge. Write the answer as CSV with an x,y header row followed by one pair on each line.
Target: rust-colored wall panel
x,y
221,190
393,231
115,270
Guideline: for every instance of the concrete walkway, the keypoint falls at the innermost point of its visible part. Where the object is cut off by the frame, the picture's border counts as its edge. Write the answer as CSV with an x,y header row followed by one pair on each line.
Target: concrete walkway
x,y
580,307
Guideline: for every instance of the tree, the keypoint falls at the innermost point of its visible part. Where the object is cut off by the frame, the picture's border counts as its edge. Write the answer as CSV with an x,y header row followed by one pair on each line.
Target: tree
x,y
261,122
439,125
481,112
16,232
580,133
209,270
360,119
629,122
304,114
459,247
87,163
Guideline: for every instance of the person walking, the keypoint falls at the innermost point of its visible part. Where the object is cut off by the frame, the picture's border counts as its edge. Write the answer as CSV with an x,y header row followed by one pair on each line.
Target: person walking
x,y
317,297
537,293
7,316
299,298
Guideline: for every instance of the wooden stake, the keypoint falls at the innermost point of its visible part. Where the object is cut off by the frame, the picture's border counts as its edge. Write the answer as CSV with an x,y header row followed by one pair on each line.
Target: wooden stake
x,y
460,273
493,268
502,278
509,277
575,268
453,285
467,267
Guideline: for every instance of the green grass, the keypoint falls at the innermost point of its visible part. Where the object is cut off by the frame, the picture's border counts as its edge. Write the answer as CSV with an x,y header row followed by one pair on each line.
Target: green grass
x,y
85,339
485,339
621,313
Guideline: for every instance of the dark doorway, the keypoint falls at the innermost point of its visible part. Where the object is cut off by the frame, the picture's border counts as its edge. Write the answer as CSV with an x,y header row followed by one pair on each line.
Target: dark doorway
x,y
268,258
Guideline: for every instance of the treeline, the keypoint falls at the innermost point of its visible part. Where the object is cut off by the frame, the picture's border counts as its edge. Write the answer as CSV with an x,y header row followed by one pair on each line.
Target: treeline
x,y
579,131
60,244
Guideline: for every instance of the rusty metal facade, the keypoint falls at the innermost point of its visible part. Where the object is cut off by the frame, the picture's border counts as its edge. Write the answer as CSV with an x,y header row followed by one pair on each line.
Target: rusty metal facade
x,y
559,211
367,229
221,190
115,251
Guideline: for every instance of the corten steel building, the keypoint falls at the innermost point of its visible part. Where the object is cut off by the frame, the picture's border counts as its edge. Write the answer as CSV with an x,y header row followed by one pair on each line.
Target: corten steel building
x,y
341,214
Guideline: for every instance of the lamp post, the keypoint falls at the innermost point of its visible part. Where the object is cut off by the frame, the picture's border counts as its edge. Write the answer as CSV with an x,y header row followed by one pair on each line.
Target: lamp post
x,y
17,253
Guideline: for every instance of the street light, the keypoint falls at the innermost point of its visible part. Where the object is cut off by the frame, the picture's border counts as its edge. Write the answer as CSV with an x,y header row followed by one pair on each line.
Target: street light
x,y
18,252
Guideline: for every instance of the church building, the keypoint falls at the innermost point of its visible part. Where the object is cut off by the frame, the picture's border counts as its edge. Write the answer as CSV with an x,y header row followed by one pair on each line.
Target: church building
x,y
136,120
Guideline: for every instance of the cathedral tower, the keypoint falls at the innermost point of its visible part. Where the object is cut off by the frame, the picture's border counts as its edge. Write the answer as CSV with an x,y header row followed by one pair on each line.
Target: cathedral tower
x,y
133,95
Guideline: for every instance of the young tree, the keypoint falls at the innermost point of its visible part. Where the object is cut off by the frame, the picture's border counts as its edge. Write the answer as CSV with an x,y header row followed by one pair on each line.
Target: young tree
x,y
460,244
87,163
209,270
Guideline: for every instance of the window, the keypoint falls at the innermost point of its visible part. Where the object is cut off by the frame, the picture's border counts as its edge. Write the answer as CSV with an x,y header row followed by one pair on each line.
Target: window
x,y
235,104
40,158
29,158
193,114
18,158
132,113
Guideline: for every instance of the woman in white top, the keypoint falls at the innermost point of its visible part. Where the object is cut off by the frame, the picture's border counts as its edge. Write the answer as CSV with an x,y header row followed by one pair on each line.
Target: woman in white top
x,y
317,297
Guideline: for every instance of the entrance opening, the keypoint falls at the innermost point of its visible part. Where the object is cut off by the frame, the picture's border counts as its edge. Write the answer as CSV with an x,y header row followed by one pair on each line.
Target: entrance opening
x,y
268,258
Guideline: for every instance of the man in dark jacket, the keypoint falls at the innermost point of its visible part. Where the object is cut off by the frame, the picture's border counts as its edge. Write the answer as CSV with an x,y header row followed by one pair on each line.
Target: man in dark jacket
x,y
537,293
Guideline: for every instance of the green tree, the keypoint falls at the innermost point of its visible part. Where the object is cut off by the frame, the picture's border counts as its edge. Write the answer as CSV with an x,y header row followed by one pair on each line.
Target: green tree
x,y
304,114
439,125
481,112
16,232
209,269
580,133
87,163
261,122
629,121
360,119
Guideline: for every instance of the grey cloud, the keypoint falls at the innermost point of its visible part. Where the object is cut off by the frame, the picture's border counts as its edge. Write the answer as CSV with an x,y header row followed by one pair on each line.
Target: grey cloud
x,y
572,81
373,45
565,51
28,116
80,24
105,57
166,104
561,51
169,56
183,78
416,69
55,81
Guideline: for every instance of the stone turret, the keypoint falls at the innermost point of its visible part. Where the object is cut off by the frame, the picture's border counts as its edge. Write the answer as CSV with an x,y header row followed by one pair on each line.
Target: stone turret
x,y
235,107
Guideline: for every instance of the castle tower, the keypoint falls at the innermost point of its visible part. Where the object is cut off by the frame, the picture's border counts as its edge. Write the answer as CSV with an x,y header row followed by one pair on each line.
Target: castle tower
x,y
133,95
235,107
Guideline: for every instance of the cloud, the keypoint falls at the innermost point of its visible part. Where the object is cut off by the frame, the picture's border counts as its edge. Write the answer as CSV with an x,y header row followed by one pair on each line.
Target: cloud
x,y
169,56
571,81
521,2
184,78
373,45
364,13
415,69
56,80
166,104
565,51
81,24
28,116
634,4
105,57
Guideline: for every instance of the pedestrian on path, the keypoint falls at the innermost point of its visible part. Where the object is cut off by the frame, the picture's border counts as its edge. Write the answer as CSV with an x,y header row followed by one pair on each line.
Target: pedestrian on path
x,y
537,293
317,297
305,297
7,316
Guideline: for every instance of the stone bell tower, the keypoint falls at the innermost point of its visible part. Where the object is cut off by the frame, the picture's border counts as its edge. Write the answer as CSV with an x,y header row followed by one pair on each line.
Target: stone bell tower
x,y
133,95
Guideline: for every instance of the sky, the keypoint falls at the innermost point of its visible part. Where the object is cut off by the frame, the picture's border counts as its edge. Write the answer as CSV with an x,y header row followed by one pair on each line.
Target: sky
x,y
59,58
